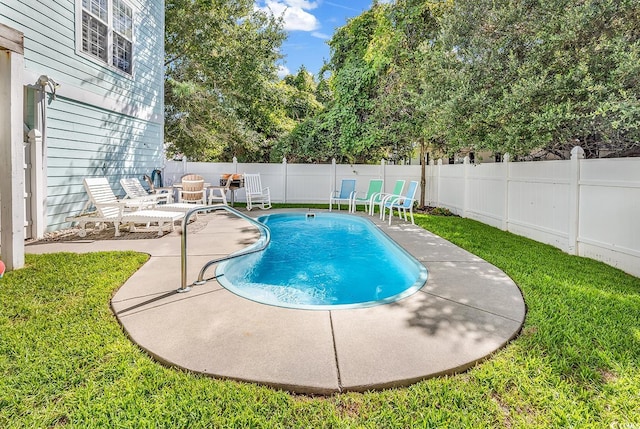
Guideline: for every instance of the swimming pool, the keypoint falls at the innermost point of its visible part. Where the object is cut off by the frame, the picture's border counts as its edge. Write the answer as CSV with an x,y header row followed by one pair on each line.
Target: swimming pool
x,y
324,261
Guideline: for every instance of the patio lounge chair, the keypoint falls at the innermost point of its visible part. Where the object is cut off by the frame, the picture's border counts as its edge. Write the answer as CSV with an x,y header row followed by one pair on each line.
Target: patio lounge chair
x,y
346,192
109,209
134,190
375,188
401,203
255,193
379,199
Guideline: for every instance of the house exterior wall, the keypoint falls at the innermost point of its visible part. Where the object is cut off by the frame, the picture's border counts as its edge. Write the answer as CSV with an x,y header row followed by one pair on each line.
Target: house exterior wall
x,y
102,122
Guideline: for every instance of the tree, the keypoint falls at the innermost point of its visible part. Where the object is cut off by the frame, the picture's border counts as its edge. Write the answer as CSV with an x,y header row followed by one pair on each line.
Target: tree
x,y
541,75
221,86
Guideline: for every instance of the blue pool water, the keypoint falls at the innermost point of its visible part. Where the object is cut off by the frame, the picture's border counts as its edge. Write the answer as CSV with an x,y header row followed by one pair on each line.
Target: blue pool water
x,y
327,261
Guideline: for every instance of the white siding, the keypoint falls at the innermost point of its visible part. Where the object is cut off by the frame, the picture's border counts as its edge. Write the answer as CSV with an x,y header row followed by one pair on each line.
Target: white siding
x,y
102,122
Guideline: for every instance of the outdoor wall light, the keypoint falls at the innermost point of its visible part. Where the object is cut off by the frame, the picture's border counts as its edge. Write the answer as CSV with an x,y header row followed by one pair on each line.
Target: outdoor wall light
x,y
45,80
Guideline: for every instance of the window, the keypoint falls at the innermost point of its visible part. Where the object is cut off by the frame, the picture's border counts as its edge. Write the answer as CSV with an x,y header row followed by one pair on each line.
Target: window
x,y
107,32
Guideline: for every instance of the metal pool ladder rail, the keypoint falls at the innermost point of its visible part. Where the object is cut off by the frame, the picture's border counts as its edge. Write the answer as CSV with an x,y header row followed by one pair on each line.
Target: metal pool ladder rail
x,y
260,245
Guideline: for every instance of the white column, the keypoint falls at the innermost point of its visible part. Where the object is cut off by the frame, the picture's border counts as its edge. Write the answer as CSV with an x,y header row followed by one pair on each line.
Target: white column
x,y
507,181
577,155
439,183
333,175
284,180
38,183
11,159
465,184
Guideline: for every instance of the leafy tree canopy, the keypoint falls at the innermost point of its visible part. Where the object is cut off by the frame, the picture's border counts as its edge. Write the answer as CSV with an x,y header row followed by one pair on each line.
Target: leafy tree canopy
x,y
221,97
524,77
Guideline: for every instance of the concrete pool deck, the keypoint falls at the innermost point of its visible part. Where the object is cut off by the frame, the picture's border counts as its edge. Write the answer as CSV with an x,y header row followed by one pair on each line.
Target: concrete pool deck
x,y
467,309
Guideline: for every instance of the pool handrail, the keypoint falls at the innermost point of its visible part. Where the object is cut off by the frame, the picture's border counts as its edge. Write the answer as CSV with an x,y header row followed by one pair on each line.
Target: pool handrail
x,y
265,236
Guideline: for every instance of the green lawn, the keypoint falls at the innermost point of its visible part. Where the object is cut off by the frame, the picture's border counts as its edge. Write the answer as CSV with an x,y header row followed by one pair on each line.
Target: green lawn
x,y
64,360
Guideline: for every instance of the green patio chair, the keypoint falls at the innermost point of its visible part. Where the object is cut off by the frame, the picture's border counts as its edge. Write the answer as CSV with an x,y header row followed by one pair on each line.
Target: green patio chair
x,y
379,198
375,188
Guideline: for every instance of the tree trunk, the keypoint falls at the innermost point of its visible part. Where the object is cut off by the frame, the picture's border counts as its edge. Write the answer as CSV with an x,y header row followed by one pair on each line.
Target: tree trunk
x,y
423,178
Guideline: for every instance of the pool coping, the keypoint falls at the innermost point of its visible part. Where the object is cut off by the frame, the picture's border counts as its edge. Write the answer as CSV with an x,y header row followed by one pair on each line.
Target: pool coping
x,y
466,311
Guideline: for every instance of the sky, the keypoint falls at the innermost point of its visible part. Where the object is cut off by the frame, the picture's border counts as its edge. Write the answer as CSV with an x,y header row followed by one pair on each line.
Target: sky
x,y
309,25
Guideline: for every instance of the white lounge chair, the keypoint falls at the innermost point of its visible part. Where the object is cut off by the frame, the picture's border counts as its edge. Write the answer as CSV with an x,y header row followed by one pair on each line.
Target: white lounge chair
x,y
401,203
256,194
375,188
109,209
134,190
345,194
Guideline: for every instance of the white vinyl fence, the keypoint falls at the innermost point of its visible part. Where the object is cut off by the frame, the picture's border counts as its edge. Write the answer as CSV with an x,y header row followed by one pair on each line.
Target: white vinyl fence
x,y
296,183
584,207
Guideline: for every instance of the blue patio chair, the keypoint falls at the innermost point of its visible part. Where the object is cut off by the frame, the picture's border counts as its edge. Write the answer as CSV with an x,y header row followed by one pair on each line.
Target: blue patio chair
x,y
345,194
401,203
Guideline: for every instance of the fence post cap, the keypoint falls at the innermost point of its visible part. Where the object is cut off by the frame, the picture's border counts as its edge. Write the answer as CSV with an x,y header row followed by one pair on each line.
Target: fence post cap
x,y
577,152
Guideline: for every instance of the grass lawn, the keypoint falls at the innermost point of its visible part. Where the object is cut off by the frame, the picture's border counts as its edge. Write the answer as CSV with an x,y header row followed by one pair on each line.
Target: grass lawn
x,y
64,360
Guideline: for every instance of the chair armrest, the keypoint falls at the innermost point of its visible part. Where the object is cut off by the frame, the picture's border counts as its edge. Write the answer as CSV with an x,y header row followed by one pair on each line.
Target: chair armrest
x,y
120,205
386,197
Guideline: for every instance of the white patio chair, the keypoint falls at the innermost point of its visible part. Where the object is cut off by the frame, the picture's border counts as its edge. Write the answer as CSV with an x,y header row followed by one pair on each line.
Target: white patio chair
x,y
256,194
166,191
219,193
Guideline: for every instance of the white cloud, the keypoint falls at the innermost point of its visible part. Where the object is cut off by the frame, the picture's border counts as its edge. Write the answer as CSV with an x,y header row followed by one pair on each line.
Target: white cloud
x,y
320,35
302,4
283,71
294,13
